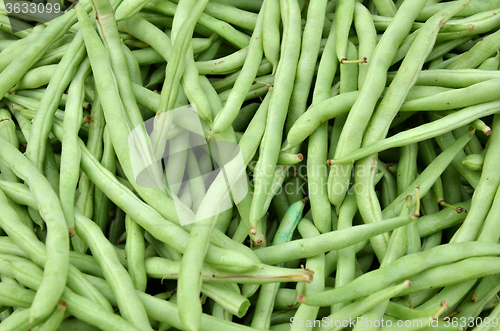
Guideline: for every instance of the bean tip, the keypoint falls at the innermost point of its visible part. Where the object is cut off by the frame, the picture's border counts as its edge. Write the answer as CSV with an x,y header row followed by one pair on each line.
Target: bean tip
x,y
259,241
309,275
62,305
286,146
301,298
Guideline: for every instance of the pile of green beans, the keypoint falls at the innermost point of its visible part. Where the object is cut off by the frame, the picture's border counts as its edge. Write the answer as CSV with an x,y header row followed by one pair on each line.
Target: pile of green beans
x,y
369,136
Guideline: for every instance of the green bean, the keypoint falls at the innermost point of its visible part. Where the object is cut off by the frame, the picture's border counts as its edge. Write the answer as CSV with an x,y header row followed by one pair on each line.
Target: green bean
x,y
404,267
244,81
94,128
149,218
70,158
230,14
357,308
250,140
388,107
317,148
365,30
15,296
426,179
178,63
36,77
489,232
113,109
147,32
57,240
488,184
18,320
122,286
477,21
223,29
478,53
407,173
29,103
269,148
267,294
451,121
445,47
101,202
38,94
108,29
429,224
428,154
228,81
484,292
348,83
407,167
82,308
53,322
19,193
454,99
5,43
385,8
188,283
255,92
61,78
27,241
286,299
228,298
225,65
317,264
271,34
398,241
365,104
163,310
473,8
200,234
289,223
326,242
402,312
7,131
53,56
305,67
344,17
318,114
346,259
134,249
444,141
161,268
13,50
451,78
473,268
